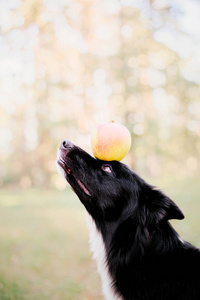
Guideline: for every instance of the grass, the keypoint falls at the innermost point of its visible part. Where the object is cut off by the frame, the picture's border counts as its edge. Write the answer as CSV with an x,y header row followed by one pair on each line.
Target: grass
x,y
44,251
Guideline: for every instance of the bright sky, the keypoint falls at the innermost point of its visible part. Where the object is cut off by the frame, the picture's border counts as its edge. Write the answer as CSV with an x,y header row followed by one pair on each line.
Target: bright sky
x,y
189,21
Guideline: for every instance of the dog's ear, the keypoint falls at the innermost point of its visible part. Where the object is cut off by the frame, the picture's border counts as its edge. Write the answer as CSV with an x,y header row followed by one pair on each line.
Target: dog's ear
x,y
161,207
172,211
155,207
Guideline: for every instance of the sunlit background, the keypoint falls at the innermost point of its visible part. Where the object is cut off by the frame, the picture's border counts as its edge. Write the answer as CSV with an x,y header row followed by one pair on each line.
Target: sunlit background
x,y
68,65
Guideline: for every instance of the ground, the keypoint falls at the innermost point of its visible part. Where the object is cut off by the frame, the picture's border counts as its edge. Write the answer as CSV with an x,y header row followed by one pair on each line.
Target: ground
x,y
44,251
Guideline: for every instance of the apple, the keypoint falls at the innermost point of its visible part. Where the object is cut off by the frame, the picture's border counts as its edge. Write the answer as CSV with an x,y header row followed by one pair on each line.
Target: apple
x,y
110,141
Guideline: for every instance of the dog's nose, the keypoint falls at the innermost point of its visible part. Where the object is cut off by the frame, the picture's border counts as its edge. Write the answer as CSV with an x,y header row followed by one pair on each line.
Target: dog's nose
x,y
66,145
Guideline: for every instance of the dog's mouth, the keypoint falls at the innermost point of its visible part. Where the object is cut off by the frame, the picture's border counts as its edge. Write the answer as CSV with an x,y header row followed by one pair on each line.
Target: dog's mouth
x,y
71,177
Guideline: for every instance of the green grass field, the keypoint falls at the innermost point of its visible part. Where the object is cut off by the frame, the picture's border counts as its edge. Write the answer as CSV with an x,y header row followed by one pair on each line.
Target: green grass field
x,y
44,251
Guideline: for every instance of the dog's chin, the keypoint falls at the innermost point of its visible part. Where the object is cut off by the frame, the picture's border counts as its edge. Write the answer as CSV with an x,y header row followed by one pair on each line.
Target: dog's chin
x,y
61,168
76,184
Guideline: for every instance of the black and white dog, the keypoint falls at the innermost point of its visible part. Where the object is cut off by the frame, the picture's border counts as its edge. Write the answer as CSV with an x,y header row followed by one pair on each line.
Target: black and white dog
x,y
139,254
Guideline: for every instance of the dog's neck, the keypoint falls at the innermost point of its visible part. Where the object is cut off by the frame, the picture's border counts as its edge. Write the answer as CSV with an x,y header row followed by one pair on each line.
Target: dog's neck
x,y
97,246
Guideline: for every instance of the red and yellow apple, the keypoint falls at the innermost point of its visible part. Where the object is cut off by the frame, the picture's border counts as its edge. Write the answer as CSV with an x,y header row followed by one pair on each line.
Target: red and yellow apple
x,y
110,141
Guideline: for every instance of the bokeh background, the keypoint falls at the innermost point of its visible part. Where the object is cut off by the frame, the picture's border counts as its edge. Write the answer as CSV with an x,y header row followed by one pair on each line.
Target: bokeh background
x,y
66,66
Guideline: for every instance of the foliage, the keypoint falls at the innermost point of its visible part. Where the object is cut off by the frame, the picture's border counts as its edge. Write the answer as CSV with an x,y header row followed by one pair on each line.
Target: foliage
x,y
68,65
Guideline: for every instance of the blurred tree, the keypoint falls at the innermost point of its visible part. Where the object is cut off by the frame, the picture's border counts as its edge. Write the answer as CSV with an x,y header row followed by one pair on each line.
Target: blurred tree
x,y
67,65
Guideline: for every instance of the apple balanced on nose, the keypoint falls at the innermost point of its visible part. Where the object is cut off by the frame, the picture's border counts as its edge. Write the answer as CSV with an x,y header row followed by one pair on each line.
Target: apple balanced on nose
x,y
110,141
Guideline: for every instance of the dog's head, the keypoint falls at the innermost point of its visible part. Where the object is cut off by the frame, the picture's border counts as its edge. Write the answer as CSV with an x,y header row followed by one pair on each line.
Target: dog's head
x,y
110,190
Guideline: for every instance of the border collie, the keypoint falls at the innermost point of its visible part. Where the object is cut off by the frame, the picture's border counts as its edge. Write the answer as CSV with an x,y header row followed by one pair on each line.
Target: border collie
x,y
139,254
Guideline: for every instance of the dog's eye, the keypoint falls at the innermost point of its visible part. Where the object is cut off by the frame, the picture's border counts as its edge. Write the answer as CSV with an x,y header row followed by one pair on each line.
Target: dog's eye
x,y
107,168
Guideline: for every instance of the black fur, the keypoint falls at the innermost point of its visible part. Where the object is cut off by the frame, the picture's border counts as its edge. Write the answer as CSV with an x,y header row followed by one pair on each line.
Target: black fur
x,y
146,258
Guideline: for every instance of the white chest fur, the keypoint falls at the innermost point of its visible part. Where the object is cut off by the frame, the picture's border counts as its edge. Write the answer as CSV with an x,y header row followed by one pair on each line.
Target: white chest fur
x,y
99,254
